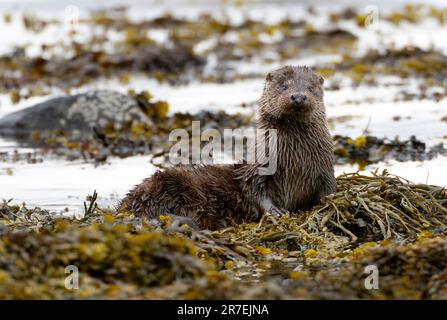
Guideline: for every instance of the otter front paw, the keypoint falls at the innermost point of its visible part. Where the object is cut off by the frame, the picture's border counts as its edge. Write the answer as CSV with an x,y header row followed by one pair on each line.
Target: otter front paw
x,y
277,212
271,209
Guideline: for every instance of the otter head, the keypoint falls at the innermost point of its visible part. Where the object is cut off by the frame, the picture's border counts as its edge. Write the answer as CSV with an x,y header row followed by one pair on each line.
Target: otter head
x,y
292,94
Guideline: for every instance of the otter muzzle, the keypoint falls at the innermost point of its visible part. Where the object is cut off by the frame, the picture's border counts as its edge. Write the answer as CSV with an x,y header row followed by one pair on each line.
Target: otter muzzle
x,y
298,99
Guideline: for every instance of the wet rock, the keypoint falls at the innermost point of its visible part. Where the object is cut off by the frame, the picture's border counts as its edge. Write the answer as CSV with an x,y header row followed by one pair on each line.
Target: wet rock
x,y
427,66
369,149
99,124
78,116
173,64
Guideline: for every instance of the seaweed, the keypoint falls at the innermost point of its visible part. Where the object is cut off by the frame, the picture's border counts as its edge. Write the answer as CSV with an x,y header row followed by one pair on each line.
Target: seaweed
x,y
428,66
361,151
365,150
380,220
133,137
179,59
86,65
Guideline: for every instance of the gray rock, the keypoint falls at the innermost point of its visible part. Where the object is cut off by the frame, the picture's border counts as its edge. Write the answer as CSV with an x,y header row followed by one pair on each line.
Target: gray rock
x,y
77,115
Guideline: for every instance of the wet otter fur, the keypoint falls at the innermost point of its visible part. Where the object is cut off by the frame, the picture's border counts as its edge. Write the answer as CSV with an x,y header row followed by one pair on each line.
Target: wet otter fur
x,y
213,196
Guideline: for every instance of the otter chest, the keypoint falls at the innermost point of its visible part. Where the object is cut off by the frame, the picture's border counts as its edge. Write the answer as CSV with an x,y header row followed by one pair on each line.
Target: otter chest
x,y
298,174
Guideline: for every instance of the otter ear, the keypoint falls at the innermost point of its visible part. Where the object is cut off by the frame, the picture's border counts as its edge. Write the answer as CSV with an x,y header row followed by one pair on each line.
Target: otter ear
x,y
321,79
269,76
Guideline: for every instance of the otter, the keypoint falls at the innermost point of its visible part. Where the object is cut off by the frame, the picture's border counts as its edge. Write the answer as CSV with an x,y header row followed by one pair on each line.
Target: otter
x,y
214,196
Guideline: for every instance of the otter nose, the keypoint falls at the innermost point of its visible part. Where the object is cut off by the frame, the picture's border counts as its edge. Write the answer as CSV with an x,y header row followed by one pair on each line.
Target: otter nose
x,y
298,98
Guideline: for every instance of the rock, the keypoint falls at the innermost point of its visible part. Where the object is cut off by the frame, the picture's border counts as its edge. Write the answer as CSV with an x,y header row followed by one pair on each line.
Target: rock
x,y
78,115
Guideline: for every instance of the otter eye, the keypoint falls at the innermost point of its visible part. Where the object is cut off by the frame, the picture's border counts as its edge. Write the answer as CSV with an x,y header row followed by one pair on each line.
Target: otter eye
x,y
311,89
284,87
